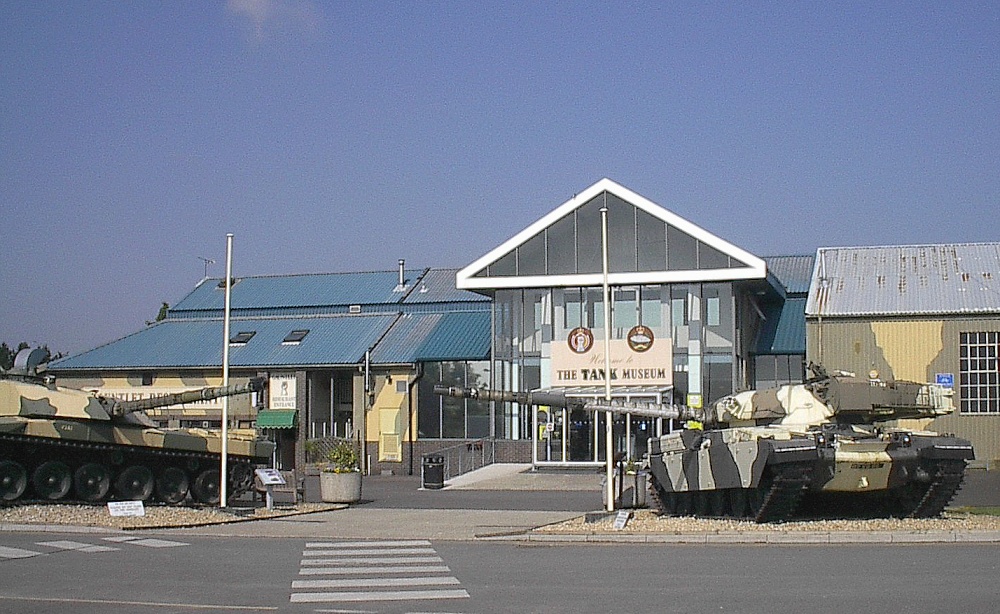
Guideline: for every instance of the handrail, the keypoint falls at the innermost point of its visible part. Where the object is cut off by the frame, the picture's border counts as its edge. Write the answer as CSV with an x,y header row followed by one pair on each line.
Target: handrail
x,y
464,457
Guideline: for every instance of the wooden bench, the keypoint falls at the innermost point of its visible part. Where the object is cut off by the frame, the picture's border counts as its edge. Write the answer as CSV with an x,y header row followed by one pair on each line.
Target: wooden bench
x,y
294,485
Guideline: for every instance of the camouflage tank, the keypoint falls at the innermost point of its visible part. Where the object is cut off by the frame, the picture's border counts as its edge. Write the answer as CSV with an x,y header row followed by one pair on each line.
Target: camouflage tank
x,y
59,444
817,449
820,448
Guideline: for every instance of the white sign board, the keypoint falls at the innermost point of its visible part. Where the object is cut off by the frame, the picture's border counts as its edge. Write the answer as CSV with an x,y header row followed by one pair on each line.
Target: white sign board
x,y
126,508
281,390
622,519
270,477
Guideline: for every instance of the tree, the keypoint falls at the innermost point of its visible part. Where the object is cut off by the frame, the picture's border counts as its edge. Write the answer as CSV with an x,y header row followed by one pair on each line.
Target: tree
x,y
162,315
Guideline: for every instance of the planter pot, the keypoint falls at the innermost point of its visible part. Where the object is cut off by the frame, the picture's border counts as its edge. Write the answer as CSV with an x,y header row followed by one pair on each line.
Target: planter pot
x,y
340,487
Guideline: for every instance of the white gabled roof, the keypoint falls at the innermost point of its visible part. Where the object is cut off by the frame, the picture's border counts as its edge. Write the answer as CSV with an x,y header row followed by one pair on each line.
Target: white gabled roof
x,y
754,267
956,278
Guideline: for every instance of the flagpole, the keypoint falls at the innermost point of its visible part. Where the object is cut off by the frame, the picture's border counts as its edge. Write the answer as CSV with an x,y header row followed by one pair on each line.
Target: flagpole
x,y
224,469
609,422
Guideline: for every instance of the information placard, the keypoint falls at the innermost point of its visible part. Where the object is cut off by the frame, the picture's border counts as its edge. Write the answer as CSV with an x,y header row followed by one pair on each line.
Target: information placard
x,y
126,508
270,477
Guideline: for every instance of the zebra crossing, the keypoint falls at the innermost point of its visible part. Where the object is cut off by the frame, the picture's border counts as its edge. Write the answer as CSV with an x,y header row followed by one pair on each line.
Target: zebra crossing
x,y
8,552
371,571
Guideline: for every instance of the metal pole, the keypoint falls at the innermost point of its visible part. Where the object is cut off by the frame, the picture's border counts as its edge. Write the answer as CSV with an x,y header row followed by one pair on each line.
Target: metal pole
x,y
609,425
224,469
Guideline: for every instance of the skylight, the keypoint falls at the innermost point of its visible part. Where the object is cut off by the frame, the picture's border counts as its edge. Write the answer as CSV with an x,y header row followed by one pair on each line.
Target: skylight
x,y
295,337
242,337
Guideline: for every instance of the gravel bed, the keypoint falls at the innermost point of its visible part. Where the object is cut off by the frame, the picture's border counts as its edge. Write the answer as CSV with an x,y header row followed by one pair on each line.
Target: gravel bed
x,y
155,516
645,521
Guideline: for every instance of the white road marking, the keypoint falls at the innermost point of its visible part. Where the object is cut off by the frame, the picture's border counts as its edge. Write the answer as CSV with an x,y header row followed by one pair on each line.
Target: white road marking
x,y
377,582
334,571
378,596
385,560
7,552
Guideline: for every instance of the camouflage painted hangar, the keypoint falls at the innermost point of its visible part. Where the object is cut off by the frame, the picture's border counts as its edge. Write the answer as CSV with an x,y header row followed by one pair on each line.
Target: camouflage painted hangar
x,y
353,353
925,313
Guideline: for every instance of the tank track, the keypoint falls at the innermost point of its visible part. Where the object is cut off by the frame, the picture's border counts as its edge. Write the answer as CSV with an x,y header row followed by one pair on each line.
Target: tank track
x,y
32,452
947,479
775,499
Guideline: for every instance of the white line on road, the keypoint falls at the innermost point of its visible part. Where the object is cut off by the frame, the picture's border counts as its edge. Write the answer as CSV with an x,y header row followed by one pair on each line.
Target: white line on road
x,y
368,551
333,571
385,560
378,596
376,582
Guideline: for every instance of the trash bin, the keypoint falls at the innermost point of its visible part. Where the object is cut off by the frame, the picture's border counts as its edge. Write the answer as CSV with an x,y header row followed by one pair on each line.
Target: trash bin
x,y
433,471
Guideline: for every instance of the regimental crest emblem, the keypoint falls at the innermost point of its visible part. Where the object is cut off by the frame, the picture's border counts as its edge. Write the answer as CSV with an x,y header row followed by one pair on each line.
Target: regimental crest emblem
x,y
580,340
640,338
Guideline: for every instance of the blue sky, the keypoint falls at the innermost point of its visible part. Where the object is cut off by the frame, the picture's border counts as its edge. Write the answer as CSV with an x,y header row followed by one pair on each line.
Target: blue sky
x,y
342,136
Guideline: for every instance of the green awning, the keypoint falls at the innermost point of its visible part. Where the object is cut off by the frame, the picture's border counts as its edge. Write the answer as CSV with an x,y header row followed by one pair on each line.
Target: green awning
x,y
276,419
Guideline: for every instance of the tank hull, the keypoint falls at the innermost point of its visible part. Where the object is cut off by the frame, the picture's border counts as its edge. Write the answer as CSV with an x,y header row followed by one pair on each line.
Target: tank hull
x,y
70,460
771,474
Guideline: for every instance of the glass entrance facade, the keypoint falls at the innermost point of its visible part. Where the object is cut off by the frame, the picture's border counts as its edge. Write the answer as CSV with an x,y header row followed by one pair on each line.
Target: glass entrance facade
x,y
681,318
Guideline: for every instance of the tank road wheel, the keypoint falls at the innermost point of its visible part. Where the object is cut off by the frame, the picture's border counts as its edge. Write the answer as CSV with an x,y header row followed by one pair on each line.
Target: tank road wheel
x,y
206,487
92,482
172,485
13,480
134,483
52,480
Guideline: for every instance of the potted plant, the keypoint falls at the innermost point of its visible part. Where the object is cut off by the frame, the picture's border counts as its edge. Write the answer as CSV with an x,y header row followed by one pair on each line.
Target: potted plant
x,y
340,477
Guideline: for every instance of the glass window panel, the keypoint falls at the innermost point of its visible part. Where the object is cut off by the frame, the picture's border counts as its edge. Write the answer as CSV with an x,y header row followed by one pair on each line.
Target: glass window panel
x,y
594,308
712,311
504,267
621,235
651,239
711,258
682,251
561,246
531,256
588,240
625,308
428,403
574,308
652,310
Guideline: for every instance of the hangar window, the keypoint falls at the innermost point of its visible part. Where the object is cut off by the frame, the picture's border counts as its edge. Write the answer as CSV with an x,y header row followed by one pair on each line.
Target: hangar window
x,y
295,337
242,337
979,380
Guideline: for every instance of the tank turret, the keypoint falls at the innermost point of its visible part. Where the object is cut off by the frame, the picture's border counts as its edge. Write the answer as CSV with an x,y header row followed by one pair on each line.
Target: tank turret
x,y
59,443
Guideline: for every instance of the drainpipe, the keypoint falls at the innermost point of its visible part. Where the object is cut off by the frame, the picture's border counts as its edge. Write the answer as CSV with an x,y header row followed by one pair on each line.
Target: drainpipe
x,y
409,405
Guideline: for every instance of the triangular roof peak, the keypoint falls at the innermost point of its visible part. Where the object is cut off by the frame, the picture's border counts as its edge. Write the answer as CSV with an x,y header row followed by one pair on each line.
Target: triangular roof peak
x,y
646,245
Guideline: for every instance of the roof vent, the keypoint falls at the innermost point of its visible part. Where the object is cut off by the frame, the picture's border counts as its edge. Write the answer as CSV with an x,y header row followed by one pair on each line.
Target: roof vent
x,y
354,309
242,337
401,286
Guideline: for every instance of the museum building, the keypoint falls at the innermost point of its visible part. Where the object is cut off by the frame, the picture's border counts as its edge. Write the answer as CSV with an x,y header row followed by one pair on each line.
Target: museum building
x,y
692,317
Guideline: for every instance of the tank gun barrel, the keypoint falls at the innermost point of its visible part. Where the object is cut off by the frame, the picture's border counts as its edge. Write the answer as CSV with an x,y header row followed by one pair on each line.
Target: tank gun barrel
x,y
117,407
559,399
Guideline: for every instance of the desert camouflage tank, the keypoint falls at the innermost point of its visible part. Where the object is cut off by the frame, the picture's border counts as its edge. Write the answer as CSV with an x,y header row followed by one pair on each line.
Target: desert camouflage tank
x,y
60,444
817,449
820,448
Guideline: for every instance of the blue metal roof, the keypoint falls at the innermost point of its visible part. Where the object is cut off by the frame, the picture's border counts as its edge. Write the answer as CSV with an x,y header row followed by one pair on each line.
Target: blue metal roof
x,y
438,286
332,340
433,337
784,331
296,291
793,272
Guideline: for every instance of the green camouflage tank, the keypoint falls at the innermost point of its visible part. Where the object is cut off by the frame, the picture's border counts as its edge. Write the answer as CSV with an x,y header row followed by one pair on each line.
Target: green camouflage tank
x,y
61,444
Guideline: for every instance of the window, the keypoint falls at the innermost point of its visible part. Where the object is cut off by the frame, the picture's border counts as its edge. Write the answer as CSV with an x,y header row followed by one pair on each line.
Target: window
x,y
242,337
448,417
979,381
295,337
147,379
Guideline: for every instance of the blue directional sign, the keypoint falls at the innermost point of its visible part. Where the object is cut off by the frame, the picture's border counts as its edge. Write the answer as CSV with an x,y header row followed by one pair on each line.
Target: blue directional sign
x,y
946,379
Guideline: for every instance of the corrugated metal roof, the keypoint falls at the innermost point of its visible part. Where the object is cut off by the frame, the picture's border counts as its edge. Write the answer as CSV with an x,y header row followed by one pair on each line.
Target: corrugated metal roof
x,y
325,293
438,286
961,278
435,337
333,340
296,291
793,272
784,330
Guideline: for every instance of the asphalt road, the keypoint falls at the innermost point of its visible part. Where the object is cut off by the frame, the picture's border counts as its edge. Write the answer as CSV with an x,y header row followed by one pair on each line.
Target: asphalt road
x,y
91,574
